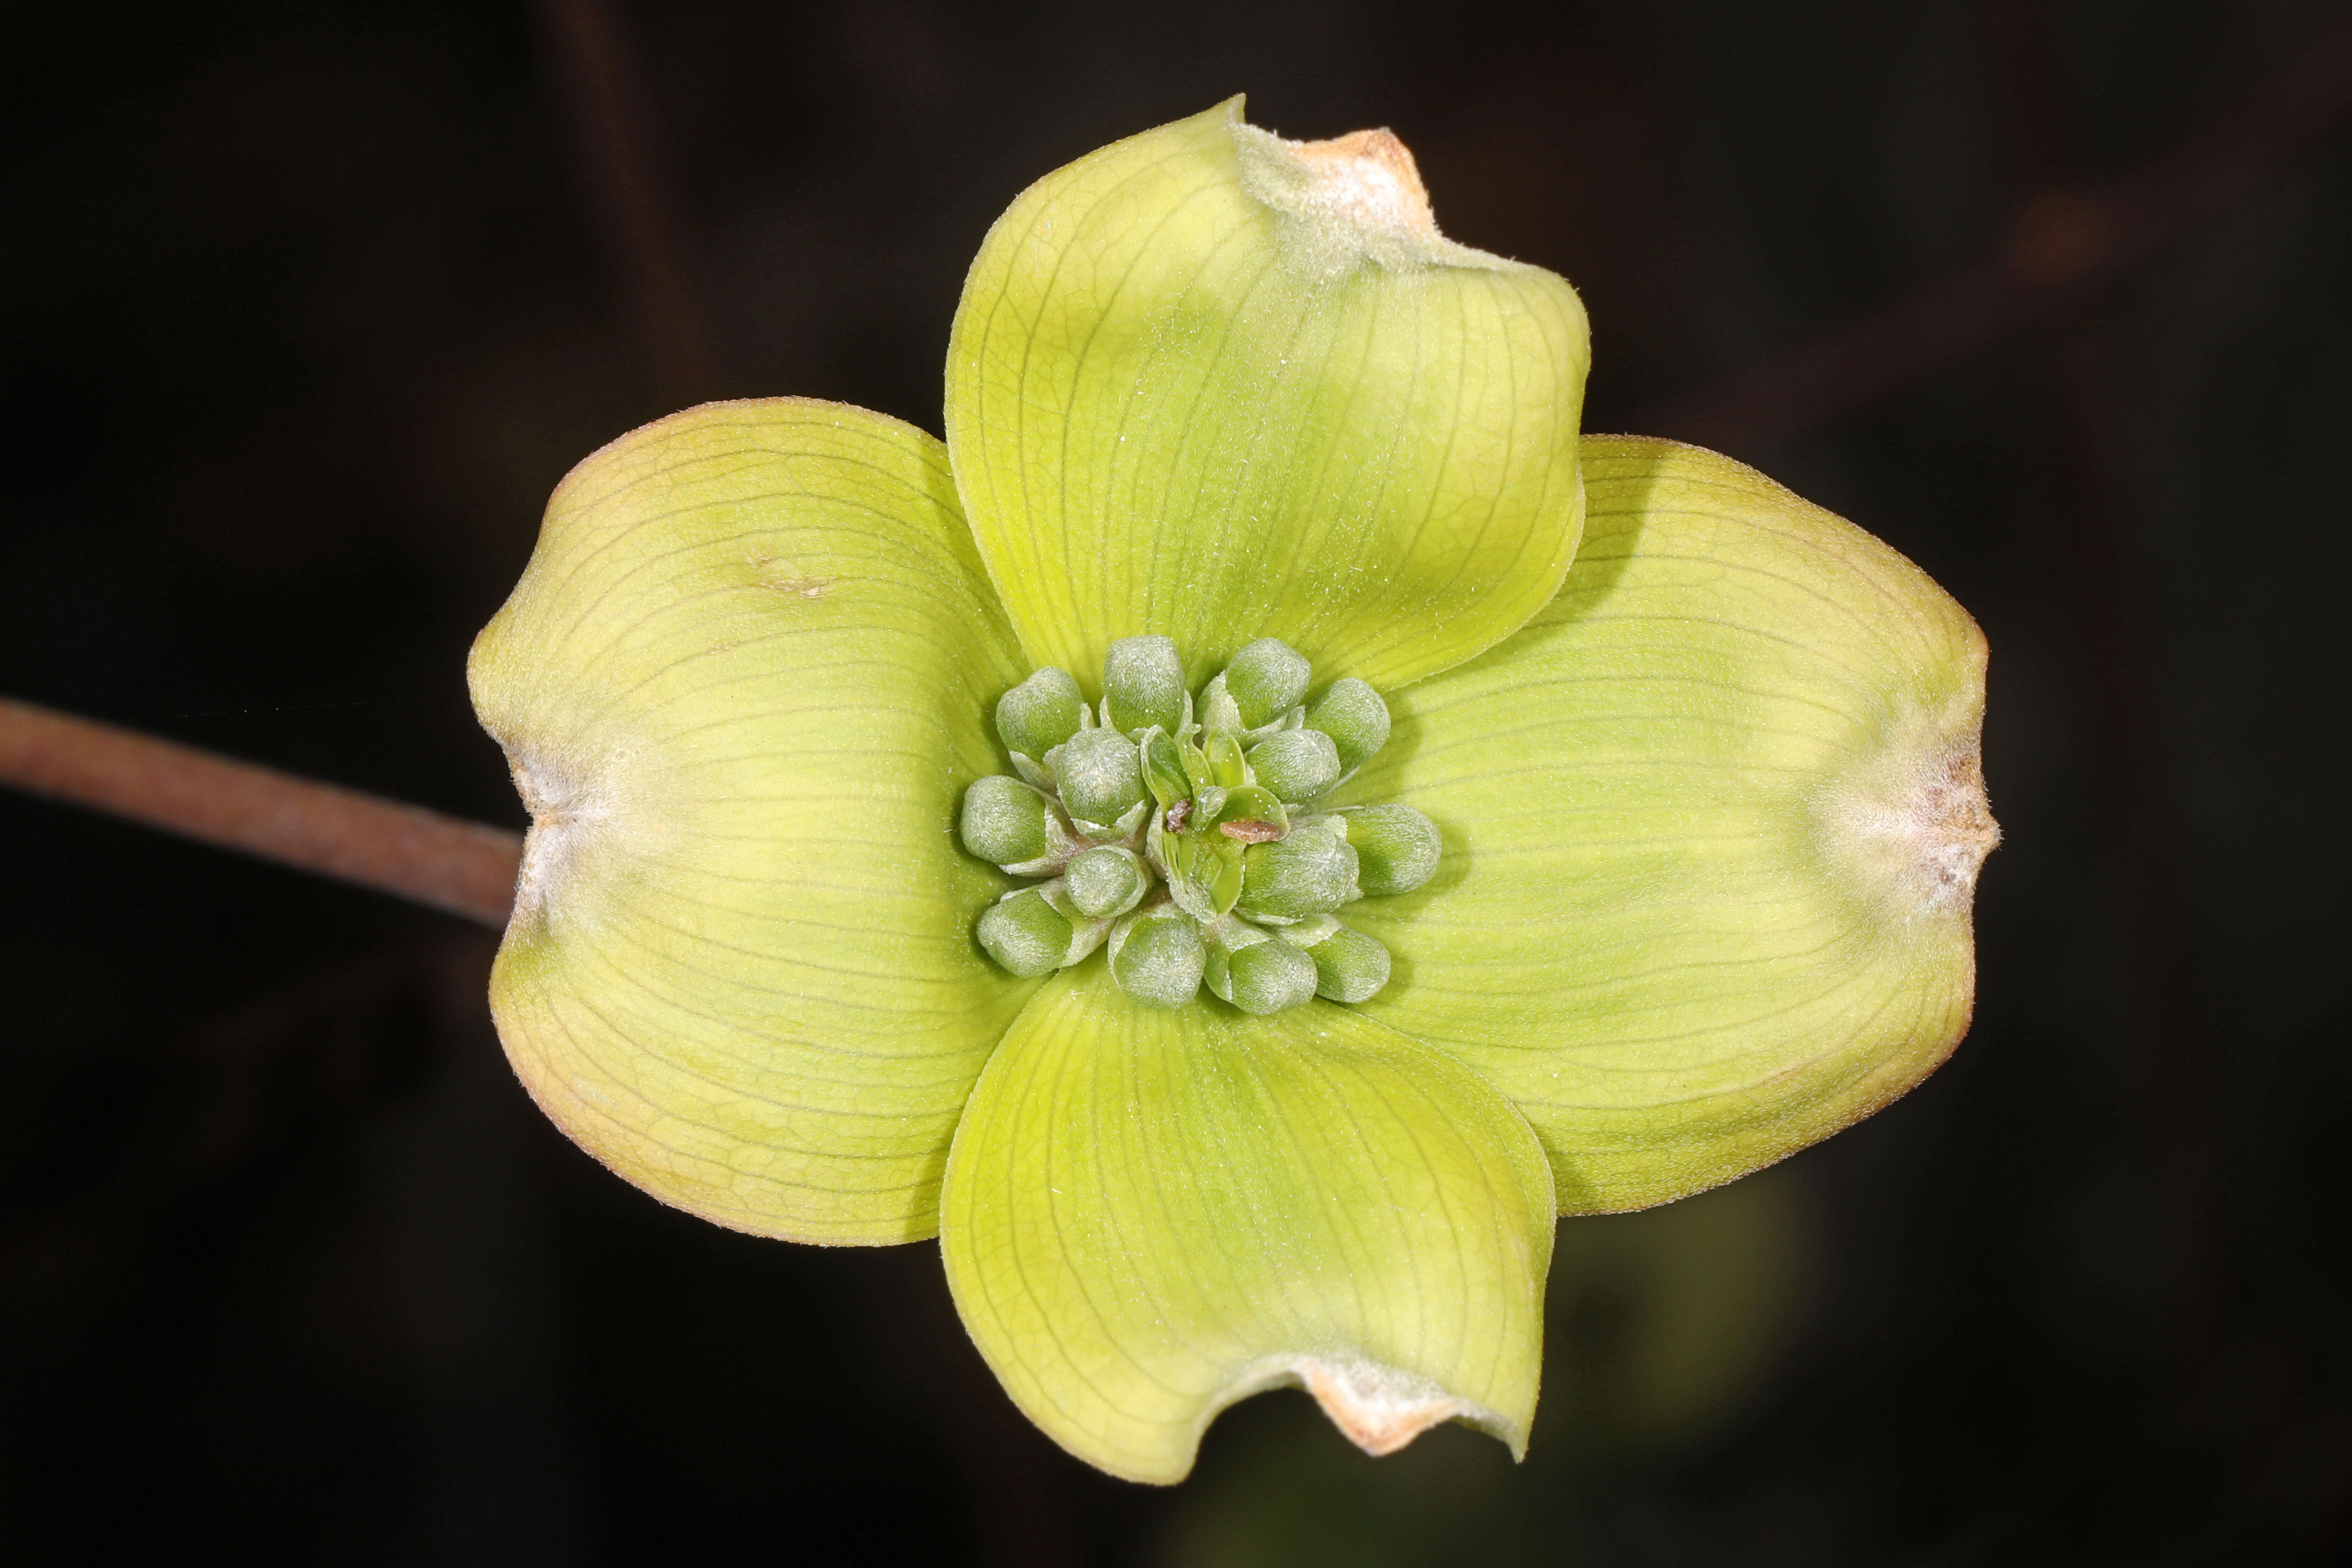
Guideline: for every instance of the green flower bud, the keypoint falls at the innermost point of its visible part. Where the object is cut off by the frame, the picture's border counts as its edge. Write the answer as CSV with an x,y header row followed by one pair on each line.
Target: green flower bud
x,y
1005,822
1106,881
1309,873
1040,713
1156,955
1027,934
1296,764
1100,776
1397,847
1356,719
1266,680
1143,685
1256,971
1349,966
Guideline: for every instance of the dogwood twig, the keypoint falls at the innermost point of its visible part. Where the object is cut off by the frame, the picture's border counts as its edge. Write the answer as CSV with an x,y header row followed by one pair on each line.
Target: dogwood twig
x,y
463,867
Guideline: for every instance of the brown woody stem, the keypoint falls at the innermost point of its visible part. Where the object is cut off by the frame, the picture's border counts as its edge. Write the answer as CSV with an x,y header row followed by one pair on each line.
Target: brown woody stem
x,y
463,867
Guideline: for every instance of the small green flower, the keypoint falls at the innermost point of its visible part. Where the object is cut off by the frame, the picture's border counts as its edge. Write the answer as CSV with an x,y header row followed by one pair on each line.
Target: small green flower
x,y
1245,833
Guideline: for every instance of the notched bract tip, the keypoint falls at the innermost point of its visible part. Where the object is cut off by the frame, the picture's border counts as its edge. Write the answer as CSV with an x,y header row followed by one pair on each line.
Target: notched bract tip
x,y
1953,824
1378,1408
1369,178
1918,826
563,811
1351,197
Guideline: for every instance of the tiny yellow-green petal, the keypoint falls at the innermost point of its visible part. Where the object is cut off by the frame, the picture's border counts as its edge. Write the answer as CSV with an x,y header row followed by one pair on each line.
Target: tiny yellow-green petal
x,y
742,684
1214,385
1711,824
1150,1214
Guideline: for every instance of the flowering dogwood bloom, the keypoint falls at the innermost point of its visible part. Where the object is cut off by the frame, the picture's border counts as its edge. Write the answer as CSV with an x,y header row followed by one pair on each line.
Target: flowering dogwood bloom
x,y
1245,833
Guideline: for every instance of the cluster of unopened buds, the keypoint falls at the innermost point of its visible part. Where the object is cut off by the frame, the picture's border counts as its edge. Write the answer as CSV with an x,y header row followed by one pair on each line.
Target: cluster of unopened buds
x,y
1187,834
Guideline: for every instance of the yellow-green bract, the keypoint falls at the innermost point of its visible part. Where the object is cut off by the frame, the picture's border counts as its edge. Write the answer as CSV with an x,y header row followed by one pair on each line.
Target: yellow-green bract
x,y
1707,789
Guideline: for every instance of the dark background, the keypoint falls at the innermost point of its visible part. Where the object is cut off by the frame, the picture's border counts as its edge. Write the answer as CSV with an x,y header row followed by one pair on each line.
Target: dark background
x,y
303,310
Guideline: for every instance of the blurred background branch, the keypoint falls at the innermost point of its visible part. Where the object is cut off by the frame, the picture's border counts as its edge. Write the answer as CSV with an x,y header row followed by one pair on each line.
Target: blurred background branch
x,y
2064,241
591,56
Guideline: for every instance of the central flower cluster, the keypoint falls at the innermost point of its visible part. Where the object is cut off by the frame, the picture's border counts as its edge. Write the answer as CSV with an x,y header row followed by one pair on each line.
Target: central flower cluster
x,y
1184,832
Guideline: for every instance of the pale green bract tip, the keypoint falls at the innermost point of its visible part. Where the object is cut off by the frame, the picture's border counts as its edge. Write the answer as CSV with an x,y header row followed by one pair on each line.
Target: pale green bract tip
x,y
1203,334
742,684
1151,1214
1724,814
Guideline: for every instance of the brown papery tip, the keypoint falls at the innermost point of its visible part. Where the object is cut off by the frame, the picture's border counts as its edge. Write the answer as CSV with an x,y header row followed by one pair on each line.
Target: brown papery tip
x,y
1369,178
1916,826
1378,1407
